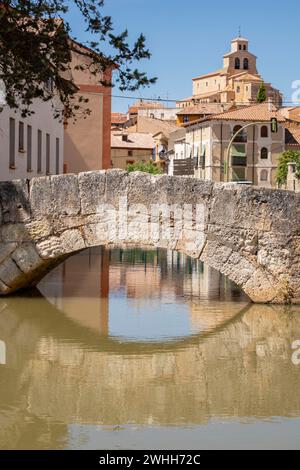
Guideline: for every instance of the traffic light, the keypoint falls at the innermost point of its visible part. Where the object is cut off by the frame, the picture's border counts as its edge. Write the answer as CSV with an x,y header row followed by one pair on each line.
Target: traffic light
x,y
274,125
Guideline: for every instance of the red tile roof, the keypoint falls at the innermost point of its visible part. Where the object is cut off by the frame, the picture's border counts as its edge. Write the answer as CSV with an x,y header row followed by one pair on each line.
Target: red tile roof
x,y
256,113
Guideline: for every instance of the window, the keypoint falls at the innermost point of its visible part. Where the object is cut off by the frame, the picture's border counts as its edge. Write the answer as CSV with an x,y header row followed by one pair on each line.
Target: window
x,y
264,153
237,63
47,154
264,131
162,116
12,145
21,136
129,162
39,151
29,147
152,115
240,47
246,64
239,174
245,47
57,156
186,119
242,136
206,83
130,153
264,175
238,89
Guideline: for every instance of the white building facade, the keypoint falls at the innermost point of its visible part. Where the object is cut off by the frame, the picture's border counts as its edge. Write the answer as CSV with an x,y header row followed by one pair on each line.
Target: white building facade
x,y
30,146
165,114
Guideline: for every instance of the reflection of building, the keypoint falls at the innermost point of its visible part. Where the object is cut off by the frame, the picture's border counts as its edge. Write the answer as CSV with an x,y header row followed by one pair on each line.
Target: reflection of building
x,y
238,81
84,283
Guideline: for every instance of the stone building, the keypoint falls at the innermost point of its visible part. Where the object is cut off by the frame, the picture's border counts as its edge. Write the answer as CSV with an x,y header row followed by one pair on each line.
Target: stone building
x,y
131,147
238,81
254,153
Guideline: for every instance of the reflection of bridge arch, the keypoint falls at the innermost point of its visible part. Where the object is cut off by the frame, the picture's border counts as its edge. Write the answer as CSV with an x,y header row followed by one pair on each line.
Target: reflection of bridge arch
x,y
54,322
243,369
251,235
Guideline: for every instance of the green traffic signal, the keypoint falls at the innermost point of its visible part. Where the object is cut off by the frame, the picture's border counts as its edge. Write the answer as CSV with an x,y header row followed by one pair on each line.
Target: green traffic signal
x,y
274,125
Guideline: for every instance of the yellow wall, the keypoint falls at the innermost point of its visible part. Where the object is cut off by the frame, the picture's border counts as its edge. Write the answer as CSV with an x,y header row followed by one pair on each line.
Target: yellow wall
x,y
120,156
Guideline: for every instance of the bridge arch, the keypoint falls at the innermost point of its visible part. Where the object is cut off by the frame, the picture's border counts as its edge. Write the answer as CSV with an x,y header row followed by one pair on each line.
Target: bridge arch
x,y
249,234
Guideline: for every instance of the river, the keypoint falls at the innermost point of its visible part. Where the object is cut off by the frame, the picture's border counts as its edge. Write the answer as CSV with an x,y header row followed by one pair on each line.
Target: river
x,y
132,348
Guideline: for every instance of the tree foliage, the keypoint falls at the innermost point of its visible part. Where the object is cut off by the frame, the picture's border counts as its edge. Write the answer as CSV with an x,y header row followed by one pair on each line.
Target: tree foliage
x,y
282,168
35,51
261,94
146,167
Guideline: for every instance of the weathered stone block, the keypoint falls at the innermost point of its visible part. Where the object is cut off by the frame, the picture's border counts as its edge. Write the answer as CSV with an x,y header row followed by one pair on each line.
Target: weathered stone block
x,y
27,258
6,249
92,190
14,201
10,274
116,186
68,242
40,197
65,195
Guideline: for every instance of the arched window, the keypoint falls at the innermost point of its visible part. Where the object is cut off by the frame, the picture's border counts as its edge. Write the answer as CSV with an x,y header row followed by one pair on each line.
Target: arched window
x,y
237,63
238,89
264,131
246,64
264,153
242,136
264,175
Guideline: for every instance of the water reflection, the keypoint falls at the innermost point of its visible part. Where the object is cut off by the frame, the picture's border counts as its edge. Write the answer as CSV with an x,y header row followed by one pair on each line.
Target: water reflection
x,y
147,340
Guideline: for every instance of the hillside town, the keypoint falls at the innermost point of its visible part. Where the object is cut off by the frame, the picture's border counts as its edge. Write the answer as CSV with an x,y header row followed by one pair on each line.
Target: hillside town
x,y
222,132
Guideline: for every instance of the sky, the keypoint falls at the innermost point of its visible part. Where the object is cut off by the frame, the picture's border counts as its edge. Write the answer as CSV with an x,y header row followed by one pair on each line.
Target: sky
x,y
188,38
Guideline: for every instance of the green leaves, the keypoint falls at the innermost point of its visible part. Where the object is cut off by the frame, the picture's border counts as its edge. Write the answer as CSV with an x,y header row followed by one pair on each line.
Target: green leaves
x,y
262,94
35,48
282,169
146,167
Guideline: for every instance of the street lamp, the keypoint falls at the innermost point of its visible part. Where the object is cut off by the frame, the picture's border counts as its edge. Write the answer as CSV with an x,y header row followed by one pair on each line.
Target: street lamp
x,y
227,159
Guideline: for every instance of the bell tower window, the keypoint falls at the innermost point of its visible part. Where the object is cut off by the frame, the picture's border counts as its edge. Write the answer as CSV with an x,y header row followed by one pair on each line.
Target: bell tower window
x,y
246,64
237,63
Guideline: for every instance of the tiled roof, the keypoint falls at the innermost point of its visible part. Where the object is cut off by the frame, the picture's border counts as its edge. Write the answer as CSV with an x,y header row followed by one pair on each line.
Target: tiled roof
x,y
135,140
292,136
247,77
199,97
212,74
154,126
202,109
256,112
118,118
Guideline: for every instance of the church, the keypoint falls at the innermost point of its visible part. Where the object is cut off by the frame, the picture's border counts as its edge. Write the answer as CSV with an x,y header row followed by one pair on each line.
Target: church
x,y
237,83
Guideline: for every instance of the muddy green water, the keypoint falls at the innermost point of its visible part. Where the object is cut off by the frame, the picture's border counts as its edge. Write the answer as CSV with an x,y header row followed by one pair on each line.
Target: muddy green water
x,y
128,349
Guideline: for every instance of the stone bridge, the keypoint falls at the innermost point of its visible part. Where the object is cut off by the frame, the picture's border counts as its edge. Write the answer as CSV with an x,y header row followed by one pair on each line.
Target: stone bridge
x,y
249,234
